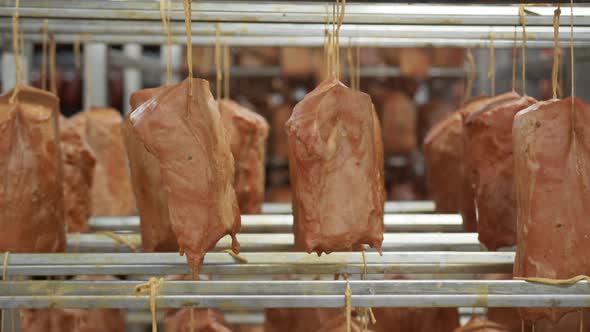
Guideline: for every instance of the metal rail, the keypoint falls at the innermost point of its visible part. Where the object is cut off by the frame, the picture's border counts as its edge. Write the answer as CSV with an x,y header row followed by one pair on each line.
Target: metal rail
x,y
293,12
390,207
284,223
286,30
311,41
284,242
281,294
260,263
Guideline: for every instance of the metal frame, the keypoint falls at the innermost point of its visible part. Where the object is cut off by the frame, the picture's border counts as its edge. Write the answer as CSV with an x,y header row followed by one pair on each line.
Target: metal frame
x,y
284,223
260,263
250,242
294,12
290,293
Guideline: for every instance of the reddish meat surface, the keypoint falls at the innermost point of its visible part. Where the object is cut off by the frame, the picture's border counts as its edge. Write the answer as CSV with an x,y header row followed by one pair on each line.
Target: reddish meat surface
x,y
297,319
399,124
443,158
247,132
415,319
150,194
31,196
279,143
490,168
185,135
552,170
432,113
337,323
467,190
73,320
112,194
78,164
203,320
480,324
336,170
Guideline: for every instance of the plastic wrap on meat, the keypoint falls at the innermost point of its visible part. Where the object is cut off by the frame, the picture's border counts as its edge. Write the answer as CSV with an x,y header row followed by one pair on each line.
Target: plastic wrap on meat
x,y
31,196
112,194
490,164
78,164
150,194
247,132
185,135
552,171
336,170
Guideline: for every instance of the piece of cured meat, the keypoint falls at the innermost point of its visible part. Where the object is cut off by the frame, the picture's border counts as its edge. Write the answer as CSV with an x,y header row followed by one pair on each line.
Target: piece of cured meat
x,y
78,164
185,135
399,124
31,195
297,319
480,324
336,170
490,168
112,194
195,320
552,171
247,132
150,194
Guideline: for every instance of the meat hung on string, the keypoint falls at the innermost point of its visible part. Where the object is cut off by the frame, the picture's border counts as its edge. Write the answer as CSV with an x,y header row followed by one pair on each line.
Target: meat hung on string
x,y
552,168
194,187
336,165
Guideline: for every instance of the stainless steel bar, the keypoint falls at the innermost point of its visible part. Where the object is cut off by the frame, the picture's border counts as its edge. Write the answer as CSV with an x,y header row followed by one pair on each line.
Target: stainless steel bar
x,y
294,12
261,263
284,242
390,207
284,223
300,41
322,293
178,29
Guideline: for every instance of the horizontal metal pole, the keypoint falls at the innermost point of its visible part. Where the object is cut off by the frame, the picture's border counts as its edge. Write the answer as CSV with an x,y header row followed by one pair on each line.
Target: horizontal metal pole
x,y
288,293
284,242
284,223
261,263
293,12
298,41
390,207
178,29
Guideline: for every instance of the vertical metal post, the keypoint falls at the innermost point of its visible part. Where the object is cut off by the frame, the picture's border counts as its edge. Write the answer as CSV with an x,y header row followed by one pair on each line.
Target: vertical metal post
x,y
9,70
176,61
95,75
132,79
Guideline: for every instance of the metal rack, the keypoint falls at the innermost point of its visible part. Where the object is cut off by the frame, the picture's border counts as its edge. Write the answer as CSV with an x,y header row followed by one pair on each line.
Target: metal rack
x,y
415,243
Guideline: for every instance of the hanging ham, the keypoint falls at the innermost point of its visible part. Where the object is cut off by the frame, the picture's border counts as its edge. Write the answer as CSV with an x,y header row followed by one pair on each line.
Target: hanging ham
x,y
552,169
78,164
246,132
31,196
185,135
399,124
336,170
112,194
152,200
490,168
